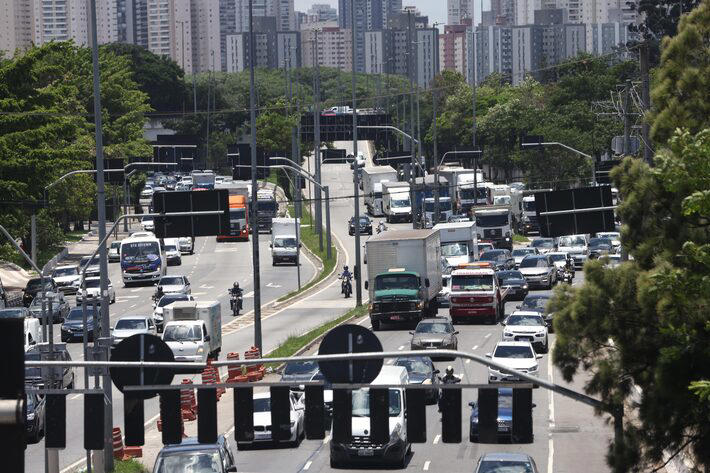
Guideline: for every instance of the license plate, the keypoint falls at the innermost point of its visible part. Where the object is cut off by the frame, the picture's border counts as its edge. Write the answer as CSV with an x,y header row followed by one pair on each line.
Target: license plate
x,y
365,452
396,317
504,428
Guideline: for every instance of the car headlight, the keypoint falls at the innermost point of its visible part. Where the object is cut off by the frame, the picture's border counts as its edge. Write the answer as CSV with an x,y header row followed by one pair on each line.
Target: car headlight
x,y
157,316
420,305
200,350
30,416
540,334
525,286
533,369
426,381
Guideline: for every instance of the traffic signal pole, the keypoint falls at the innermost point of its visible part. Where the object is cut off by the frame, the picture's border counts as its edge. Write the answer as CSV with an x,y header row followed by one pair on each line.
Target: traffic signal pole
x,y
356,167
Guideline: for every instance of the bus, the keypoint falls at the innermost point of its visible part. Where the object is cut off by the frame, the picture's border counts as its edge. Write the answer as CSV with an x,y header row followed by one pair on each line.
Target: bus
x,y
142,259
238,219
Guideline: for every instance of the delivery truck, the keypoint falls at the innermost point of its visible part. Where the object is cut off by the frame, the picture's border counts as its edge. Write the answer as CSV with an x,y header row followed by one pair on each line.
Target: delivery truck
x,y
403,275
193,330
285,240
459,244
396,203
372,179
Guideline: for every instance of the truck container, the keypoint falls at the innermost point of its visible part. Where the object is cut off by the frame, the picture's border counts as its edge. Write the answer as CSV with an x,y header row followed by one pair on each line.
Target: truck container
x,y
266,209
459,244
425,200
403,275
238,219
396,204
193,330
285,240
473,195
372,179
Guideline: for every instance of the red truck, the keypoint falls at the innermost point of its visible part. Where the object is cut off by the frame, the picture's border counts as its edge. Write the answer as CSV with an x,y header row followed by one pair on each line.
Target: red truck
x,y
476,294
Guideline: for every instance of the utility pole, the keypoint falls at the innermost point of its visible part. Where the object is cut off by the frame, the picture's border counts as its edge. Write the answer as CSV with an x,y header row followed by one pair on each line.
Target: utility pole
x,y
295,155
254,187
646,102
410,72
317,142
473,104
437,214
627,118
207,137
356,168
105,339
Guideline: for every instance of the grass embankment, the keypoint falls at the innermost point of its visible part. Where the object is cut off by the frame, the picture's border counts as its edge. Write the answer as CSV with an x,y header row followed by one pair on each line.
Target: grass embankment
x,y
296,342
520,238
127,466
309,238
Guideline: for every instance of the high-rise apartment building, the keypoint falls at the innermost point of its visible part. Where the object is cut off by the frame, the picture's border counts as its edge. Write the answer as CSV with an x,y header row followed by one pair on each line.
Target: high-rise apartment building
x,y
452,47
492,50
206,40
527,52
321,12
331,47
458,10
16,26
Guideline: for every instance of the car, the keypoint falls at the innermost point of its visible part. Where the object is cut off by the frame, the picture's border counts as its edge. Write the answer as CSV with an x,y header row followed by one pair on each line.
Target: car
x,y
539,271
612,260
506,463
526,327
141,234
484,246
515,282
192,456
576,246
299,372
544,245
54,304
599,247
165,300
518,356
538,303
504,418
34,419
615,238
157,189
67,278
365,226
91,288
421,370
172,252
148,224
147,192
130,325
434,333
33,374
34,286
114,252
500,259
262,420
174,285
73,326
520,253
186,245
93,265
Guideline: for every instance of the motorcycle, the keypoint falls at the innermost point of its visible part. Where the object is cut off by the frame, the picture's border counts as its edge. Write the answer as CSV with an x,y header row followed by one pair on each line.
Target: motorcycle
x,y
565,275
235,302
446,380
346,287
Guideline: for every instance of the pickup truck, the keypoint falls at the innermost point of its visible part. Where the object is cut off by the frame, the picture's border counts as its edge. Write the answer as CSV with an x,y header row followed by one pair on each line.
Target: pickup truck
x,y
476,294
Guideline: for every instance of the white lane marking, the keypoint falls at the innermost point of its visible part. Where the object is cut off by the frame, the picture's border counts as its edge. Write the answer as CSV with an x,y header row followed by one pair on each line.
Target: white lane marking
x,y
426,465
436,439
307,465
132,306
468,361
75,396
401,347
487,335
326,440
550,442
474,347
248,294
199,293
128,297
137,289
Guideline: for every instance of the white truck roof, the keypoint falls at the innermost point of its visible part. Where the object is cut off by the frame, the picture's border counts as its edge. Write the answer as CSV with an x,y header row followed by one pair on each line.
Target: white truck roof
x,y
378,170
392,375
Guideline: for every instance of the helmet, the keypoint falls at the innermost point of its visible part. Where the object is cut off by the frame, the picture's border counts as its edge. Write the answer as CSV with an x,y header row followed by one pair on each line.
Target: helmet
x,y
345,268
449,370
235,285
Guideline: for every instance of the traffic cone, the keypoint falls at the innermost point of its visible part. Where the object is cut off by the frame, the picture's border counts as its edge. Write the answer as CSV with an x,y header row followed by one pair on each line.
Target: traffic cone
x,y
117,444
188,403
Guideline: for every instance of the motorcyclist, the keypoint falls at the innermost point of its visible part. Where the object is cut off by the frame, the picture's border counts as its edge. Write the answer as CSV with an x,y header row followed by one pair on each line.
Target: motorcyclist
x,y
381,227
236,294
448,378
346,276
235,289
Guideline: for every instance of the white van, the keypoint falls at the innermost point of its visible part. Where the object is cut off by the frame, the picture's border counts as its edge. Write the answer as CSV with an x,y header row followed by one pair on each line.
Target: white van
x,y
33,333
361,449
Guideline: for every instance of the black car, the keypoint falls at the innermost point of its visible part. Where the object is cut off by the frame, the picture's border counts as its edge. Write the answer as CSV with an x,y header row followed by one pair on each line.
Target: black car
x,y
500,259
73,326
365,225
299,372
515,282
421,371
538,303
33,375
55,306
34,286
599,247
190,455
34,421
504,418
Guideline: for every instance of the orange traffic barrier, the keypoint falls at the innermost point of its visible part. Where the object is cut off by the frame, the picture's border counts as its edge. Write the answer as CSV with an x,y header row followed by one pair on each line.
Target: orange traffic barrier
x,y
133,452
117,443
234,370
188,402
251,354
210,375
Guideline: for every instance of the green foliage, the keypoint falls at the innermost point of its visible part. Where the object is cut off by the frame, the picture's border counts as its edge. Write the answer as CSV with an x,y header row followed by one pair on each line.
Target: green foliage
x,y
680,90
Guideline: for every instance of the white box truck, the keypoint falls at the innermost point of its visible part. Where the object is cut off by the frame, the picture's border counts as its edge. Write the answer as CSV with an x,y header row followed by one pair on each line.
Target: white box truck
x,y
193,330
459,244
372,179
403,275
396,203
285,240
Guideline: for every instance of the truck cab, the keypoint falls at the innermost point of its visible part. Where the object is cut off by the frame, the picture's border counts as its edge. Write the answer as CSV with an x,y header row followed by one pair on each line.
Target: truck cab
x,y
193,330
396,203
266,209
476,295
398,297
530,223
494,223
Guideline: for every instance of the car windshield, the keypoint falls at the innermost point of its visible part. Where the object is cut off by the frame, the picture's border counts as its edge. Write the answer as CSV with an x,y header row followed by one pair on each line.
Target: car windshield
x,y
434,327
444,206
529,205
513,351
454,249
131,324
36,284
140,251
533,262
285,243
37,301
189,462
396,281
540,243
77,313
400,202
414,365
510,275
505,466
165,300
572,241
364,220
237,214
501,200
262,404
495,255
177,333
115,245
170,248
57,273
361,403
558,257
535,303
531,320
10,313
171,281
301,367
523,251
600,242
92,283
147,220
472,283
610,235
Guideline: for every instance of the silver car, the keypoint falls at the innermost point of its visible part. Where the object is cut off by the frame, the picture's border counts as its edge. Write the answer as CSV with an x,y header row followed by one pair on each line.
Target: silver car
x,y
132,325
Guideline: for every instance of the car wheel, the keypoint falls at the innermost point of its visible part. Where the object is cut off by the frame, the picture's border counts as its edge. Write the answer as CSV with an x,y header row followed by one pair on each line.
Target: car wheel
x,y
334,463
375,325
64,339
113,299
70,385
546,347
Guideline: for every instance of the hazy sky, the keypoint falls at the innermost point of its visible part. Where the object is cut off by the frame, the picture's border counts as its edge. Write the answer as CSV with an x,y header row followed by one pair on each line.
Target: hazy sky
x,y
435,9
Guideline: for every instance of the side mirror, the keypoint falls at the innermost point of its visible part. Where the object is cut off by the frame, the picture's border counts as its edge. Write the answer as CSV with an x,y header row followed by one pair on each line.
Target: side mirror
x,y
366,284
538,356
231,469
207,338
456,332
300,245
411,333
488,355
437,371
517,306
472,404
271,245
502,323
534,405
426,282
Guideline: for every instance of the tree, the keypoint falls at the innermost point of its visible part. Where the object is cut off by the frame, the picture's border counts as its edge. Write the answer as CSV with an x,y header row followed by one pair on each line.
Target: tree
x,y
680,90
659,18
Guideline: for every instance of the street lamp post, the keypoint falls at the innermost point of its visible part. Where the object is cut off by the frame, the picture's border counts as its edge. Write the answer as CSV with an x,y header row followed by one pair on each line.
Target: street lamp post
x,y
356,168
568,148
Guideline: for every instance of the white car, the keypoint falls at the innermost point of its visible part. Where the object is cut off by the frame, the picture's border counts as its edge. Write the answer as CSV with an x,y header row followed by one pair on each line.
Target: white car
x,y
539,270
525,326
147,192
91,288
172,251
67,278
186,245
263,421
114,251
518,356
174,285
615,238
148,224
132,325
576,246
520,253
